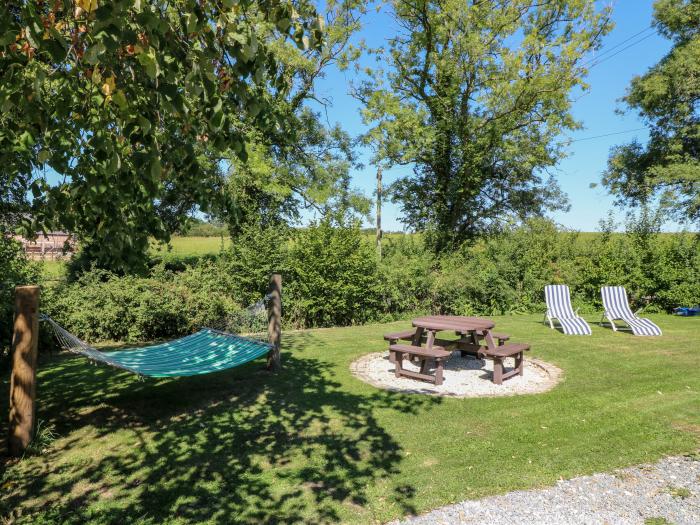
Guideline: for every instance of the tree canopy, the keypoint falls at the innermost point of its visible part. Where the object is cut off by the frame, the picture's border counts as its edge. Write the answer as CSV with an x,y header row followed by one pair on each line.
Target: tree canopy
x,y
667,97
305,162
130,102
473,96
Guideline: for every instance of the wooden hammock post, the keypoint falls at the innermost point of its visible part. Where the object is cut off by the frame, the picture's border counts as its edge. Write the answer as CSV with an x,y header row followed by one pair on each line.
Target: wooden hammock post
x,y
274,321
25,346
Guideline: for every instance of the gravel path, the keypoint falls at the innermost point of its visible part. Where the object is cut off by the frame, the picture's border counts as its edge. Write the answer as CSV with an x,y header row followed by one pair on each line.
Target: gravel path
x,y
661,493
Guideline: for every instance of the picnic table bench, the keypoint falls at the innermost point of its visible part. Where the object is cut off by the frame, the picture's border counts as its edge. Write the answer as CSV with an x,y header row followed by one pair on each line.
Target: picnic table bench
x,y
436,353
475,338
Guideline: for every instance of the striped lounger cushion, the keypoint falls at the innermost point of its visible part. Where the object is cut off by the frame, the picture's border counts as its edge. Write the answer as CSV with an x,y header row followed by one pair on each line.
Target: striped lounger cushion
x,y
559,307
617,307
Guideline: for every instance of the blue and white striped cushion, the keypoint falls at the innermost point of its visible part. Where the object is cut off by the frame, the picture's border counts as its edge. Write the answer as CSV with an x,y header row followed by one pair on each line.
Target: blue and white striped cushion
x,y
617,307
559,307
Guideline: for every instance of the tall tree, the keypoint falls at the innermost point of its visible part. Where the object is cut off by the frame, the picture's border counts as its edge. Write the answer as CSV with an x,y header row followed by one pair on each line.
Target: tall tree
x,y
473,96
129,102
667,97
305,162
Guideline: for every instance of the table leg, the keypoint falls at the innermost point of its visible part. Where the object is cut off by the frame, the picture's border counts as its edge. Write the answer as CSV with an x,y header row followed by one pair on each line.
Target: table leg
x,y
489,340
399,359
498,371
425,364
417,336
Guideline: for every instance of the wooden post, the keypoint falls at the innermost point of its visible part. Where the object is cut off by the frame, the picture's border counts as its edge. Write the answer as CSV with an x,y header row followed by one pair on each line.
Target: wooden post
x,y
25,346
274,321
379,212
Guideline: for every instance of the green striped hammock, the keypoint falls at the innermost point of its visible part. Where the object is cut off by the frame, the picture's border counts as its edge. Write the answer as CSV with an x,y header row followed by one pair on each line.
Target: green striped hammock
x,y
203,352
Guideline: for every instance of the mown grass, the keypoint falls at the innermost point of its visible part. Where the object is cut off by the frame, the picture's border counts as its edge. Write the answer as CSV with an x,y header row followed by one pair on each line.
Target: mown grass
x,y
314,444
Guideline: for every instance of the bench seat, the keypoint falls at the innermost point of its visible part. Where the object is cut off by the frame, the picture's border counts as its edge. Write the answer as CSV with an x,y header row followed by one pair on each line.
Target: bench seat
x,y
499,353
406,335
425,356
507,350
436,352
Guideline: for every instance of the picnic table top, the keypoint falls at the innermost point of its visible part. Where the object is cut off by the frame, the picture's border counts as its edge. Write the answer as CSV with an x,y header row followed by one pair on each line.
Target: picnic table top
x,y
457,323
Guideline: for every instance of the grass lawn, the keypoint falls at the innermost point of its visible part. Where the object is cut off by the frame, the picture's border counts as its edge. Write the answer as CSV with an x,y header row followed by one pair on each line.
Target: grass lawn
x,y
314,444
190,246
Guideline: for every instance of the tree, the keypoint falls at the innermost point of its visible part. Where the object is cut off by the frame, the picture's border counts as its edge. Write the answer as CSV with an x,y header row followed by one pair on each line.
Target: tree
x,y
667,97
305,162
473,97
130,102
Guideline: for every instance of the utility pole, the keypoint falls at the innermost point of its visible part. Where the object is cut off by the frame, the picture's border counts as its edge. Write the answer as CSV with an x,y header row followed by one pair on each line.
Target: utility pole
x,y
379,212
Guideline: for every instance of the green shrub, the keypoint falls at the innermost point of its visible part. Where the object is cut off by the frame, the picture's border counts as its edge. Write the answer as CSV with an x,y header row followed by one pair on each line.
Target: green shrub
x,y
332,277
15,269
406,274
100,306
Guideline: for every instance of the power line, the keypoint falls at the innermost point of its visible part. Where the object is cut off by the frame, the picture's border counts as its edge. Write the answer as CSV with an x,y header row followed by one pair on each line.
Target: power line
x,y
602,58
610,49
605,135
600,61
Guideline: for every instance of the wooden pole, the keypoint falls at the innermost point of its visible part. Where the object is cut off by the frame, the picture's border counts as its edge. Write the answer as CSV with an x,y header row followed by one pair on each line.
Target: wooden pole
x,y
379,212
274,322
25,346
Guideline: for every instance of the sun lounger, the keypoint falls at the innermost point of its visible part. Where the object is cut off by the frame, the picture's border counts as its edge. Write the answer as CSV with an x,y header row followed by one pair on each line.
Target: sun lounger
x,y
559,307
617,308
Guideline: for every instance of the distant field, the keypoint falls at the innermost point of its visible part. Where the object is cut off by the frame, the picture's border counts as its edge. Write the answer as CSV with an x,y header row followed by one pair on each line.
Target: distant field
x,y
180,247
190,246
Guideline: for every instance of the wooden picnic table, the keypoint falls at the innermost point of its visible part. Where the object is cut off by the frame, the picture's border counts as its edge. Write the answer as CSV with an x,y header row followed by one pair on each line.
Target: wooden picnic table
x,y
474,338
469,329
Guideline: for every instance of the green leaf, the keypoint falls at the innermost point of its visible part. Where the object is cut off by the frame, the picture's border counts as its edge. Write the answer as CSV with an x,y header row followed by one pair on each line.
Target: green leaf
x,y
145,124
148,60
7,38
93,53
120,99
43,156
155,169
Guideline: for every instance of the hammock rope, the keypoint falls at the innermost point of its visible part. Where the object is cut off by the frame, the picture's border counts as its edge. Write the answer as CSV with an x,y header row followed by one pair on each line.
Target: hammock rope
x,y
204,352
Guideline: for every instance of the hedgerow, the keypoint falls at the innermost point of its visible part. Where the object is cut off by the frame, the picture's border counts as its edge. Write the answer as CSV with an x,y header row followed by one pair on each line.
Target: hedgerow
x,y
333,276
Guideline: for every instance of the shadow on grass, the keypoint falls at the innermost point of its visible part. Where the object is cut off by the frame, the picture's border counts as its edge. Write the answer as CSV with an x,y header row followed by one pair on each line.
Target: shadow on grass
x,y
237,446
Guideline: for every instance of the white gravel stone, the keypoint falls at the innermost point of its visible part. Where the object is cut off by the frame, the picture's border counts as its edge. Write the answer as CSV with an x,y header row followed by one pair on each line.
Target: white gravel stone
x,y
627,497
463,377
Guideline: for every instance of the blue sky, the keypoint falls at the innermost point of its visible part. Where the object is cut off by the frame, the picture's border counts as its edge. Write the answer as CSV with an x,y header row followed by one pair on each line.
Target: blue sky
x,y
588,157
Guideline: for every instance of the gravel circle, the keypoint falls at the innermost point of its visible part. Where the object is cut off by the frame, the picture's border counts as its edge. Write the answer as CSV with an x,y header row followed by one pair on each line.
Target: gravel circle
x,y
661,493
463,377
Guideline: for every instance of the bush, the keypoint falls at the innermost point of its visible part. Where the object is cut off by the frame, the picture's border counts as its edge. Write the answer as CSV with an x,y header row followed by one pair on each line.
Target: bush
x,y
15,269
406,274
332,277
101,306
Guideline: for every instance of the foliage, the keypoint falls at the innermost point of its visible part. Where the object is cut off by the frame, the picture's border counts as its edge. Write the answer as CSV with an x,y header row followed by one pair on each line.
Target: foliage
x,y
332,277
44,436
200,228
101,306
667,97
475,97
15,269
407,274
132,103
256,253
305,162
